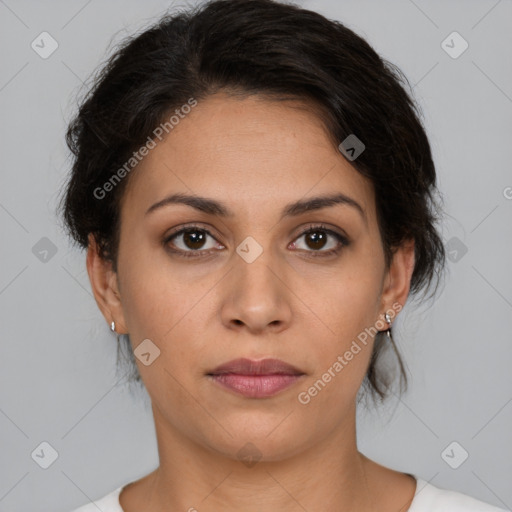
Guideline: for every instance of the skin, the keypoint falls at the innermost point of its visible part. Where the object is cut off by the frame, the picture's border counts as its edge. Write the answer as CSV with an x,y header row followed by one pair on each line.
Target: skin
x,y
256,156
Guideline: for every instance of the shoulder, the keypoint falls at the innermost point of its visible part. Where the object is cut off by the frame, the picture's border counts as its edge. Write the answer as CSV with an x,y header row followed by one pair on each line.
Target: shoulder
x,y
108,503
429,498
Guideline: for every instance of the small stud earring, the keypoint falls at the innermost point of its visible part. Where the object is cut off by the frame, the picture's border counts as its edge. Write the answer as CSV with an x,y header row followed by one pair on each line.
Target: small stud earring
x,y
388,320
113,328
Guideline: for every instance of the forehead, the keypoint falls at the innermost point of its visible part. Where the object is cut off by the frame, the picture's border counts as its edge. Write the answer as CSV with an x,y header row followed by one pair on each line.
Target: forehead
x,y
250,152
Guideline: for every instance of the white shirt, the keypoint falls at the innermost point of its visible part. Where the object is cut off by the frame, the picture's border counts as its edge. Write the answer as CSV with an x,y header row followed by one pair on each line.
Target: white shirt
x,y
427,498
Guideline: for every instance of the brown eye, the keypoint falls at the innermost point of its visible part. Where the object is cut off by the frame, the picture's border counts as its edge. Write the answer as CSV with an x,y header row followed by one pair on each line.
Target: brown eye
x,y
194,239
190,241
317,238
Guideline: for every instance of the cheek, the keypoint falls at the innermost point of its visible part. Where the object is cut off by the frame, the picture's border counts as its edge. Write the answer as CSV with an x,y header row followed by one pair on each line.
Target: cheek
x,y
152,298
164,307
348,309
351,304
342,358
159,312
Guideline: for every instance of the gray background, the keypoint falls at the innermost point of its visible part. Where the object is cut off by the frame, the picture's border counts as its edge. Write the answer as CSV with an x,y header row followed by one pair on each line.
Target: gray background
x,y
57,370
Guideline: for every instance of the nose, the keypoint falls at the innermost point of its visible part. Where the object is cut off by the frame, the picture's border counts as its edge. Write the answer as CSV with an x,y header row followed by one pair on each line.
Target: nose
x,y
257,295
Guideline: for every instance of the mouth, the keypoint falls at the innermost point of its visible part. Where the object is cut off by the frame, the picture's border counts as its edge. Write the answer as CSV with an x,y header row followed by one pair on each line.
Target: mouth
x,y
256,379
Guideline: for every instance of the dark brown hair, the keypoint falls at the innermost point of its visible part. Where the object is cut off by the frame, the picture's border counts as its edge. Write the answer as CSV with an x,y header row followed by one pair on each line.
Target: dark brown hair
x,y
279,51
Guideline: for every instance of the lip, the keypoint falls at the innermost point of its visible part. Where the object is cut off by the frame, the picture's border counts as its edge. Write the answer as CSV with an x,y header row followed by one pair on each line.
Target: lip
x,y
256,379
267,366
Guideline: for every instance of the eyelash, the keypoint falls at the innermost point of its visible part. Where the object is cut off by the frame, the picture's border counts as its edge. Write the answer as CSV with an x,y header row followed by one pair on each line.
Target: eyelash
x,y
343,241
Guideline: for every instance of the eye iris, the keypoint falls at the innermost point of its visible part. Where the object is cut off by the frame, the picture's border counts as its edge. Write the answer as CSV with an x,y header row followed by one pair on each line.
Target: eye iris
x,y
194,239
316,237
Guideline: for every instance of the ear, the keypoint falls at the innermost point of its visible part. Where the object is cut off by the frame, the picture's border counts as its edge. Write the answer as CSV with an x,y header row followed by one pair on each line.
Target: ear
x,y
104,285
397,281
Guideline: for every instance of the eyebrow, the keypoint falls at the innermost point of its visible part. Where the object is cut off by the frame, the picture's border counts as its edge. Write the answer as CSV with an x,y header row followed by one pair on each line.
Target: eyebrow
x,y
214,207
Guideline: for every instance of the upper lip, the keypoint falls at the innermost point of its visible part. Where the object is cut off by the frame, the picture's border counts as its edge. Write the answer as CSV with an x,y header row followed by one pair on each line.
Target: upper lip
x,y
245,366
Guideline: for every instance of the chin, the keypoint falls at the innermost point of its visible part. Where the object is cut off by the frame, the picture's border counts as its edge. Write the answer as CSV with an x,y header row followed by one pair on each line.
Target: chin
x,y
259,442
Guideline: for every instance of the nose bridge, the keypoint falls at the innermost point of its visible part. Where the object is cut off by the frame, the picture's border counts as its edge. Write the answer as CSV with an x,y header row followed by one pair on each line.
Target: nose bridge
x,y
256,264
258,295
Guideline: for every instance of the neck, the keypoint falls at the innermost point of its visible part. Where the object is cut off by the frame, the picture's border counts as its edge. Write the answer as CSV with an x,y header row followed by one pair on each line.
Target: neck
x,y
331,475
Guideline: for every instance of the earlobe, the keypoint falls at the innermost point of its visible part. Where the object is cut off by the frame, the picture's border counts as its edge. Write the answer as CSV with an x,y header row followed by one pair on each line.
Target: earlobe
x,y
104,286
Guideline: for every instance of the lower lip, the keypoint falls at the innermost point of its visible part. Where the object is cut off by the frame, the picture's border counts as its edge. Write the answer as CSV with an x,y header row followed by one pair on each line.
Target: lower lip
x,y
255,386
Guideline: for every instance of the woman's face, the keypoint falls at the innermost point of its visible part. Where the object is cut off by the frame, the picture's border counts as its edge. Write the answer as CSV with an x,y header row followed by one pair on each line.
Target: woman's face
x,y
252,287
